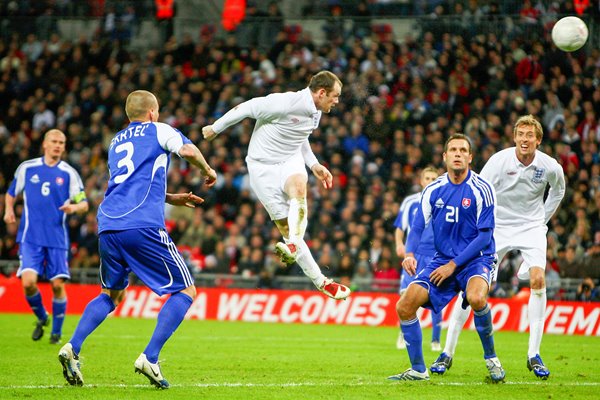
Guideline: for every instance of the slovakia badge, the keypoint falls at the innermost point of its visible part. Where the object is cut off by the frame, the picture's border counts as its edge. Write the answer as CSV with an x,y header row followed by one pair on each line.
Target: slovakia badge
x,y
466,203
59,181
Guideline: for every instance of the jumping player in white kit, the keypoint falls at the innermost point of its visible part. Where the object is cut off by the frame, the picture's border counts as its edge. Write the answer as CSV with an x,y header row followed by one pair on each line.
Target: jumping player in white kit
x,y
277,155
520,176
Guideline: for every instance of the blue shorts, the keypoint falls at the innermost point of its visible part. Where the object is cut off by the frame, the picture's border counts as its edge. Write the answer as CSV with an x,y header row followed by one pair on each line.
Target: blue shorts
x,y
149,253
49,262
440,296
422,262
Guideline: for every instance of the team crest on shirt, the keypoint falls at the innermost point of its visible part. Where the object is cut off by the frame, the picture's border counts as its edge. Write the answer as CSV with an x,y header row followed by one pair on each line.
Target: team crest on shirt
x,y
59,181
295,120
35,179
466,203
538,174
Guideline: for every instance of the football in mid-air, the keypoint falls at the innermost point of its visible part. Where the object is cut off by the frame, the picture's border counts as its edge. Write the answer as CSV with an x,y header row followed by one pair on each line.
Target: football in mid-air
x,y
569,33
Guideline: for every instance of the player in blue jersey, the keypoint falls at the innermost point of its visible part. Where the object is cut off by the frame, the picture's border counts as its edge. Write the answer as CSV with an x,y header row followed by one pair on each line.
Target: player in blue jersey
x,y
51,189
460,206
423,254
132,234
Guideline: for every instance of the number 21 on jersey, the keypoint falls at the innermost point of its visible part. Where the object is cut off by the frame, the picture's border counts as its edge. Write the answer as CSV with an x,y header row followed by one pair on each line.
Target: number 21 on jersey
x,y
451,214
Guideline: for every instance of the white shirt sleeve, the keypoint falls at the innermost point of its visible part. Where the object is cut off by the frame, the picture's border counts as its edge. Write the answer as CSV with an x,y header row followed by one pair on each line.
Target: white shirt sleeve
x,y
309,157
266,109
168,138
556,192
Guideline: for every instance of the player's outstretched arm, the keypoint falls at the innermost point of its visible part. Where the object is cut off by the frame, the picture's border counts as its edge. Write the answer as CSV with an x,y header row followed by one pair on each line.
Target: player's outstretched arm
x,y
192,154
183,199
208,133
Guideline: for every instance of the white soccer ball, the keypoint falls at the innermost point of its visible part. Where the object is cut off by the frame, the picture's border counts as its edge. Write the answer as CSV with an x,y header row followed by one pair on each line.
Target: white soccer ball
x,y
569,33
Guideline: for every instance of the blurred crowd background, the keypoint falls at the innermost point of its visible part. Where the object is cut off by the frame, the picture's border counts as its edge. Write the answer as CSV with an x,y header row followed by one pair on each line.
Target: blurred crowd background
x,y
464,66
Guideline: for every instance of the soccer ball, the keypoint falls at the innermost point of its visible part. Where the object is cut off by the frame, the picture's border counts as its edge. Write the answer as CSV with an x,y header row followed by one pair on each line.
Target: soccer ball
x,y
569,33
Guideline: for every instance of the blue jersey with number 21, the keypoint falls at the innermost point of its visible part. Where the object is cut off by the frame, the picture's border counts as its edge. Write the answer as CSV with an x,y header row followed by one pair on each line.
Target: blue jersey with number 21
x,y
138,160
457,213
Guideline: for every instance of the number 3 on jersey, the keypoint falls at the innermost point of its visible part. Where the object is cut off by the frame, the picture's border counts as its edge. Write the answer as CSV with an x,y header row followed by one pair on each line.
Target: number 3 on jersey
x,y
451,214
126,162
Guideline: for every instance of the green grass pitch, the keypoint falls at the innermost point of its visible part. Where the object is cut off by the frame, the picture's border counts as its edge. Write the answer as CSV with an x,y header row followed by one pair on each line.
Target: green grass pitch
x,y
225,360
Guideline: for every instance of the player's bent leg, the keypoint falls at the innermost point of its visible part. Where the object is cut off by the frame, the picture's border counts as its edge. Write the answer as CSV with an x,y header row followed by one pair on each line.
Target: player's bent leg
x,y
150,371
69,360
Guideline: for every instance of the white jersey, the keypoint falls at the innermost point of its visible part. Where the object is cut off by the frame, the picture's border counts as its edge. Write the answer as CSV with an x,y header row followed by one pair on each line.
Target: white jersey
x,y
520,189
284,121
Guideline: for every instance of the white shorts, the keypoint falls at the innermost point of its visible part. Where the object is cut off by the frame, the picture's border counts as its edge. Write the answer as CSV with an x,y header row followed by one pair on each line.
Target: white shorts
x,y
531,242
268,183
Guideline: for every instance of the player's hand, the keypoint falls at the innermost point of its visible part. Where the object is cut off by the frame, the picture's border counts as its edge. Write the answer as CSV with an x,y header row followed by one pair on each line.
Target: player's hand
x,y
9,217
323,175
410,265
440,274
208,133
68,208
210,177
184,199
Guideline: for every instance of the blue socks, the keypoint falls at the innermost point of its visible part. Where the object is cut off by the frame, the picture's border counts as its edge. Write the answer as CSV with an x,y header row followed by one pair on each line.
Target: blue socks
x,y
35,302
483,323
413,336
169,318
59,308
94,314
436,325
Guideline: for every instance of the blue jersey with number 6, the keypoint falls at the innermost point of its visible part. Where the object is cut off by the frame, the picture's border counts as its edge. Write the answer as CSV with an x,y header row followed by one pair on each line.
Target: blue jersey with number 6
x,y
45,189
138,160
457,213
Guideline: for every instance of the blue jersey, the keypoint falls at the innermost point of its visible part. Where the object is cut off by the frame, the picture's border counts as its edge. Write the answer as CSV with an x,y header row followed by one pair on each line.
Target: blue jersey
x,y
457,213
138,160
404,220
45,189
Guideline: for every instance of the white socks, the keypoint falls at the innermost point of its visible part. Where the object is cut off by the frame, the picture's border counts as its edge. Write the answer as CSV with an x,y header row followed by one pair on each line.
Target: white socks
x,y
297,219
308,264
457,320
537,311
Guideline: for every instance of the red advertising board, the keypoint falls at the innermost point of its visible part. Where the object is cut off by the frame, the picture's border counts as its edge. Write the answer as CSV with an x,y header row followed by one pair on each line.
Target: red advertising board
x,y
310,307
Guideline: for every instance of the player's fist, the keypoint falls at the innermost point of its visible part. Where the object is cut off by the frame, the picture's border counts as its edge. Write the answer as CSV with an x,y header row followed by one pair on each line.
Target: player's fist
x,y
208,132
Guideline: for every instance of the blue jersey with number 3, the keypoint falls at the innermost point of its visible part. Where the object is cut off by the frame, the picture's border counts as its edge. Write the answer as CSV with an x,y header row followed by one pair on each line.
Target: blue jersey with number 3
x,y
457,213
138,160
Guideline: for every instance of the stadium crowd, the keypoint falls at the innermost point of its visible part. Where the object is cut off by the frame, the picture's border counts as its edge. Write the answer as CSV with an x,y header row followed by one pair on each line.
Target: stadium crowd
x,y
402,97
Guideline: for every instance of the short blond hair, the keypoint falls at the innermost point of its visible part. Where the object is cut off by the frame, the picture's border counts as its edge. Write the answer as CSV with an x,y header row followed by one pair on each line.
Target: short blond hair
x,y
530,120
138,103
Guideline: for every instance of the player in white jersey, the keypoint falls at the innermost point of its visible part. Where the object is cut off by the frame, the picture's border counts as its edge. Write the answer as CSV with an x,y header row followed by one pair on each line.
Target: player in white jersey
x,y
132,235
51,189
520,176
277,154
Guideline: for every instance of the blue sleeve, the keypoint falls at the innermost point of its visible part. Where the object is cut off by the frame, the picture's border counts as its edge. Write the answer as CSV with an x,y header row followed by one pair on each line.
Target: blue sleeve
x,y
473,249
11,188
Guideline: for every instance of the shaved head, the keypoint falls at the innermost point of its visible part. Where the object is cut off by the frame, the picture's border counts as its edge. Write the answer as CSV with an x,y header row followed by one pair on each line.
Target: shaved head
x,y
139,103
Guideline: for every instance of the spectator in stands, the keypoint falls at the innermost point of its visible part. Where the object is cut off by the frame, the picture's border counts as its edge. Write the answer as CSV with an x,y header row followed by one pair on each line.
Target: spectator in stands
x,y
587,290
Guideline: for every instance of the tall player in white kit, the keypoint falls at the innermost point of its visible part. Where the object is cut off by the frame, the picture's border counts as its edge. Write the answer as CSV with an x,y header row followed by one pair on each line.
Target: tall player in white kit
x,y
520,176
277,155
132,234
